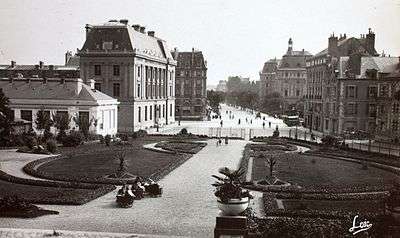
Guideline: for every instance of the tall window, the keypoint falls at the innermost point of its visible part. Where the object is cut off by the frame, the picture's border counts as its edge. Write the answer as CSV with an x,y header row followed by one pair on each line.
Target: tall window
x,y
26,115
138,90
351,92
145,113
97,86
372,91
116,70
116,91
139,114
170,110
97,69
151,112
163,111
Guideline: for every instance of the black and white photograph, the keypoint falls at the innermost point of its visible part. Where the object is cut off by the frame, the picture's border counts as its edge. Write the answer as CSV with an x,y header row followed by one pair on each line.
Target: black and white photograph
x,y
199,118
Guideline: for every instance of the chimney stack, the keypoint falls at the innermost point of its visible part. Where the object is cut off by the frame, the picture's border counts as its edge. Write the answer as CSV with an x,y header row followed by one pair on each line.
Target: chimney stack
x,y
13,63
136,27
88,28
68,56
124,21
142,29
333,45
40,64
151,33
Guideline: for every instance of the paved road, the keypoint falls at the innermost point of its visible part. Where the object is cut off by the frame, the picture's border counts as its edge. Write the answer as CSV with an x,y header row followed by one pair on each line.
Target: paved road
x,y
187,208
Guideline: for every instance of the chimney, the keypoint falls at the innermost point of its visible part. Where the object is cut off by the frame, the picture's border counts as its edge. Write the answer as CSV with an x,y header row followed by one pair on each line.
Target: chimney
x,y
13,63
136,27
124,21
68,56
40,64
142,29
88,28
112,20
151,33
333,45
91,83
370,41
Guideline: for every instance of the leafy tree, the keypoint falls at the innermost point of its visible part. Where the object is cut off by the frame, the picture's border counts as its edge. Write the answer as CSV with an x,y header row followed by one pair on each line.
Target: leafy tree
x,y
84,124
61,121
272,103
6,119
43,120
215,98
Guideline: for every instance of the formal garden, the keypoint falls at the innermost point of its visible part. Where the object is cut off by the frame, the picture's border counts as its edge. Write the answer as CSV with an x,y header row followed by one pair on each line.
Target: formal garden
x,y
312,190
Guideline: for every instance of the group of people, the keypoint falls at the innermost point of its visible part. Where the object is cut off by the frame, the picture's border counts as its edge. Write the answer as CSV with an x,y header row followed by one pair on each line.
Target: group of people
x,y
136,191
219,141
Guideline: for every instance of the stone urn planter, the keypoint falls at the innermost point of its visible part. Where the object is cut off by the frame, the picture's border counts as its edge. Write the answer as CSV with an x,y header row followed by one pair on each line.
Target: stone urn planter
x,y
232,199
234,206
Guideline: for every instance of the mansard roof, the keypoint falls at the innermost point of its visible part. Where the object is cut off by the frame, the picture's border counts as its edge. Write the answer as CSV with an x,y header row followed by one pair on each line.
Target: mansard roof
x,y
116,37
184,58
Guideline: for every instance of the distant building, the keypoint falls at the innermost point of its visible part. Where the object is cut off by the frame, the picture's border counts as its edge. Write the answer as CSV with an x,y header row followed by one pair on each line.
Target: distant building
x,y
191,85
286,77
69,97
338,91
14,70
221,87
133,66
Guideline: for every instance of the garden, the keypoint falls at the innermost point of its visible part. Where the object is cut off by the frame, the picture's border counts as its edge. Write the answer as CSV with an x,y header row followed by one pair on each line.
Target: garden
x,y
314,193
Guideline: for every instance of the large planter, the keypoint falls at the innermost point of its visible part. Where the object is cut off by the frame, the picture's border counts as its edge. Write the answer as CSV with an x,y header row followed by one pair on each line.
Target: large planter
x,y
234,206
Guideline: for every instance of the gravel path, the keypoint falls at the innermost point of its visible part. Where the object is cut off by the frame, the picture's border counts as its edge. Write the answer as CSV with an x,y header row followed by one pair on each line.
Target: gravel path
x,y
12,162
187,208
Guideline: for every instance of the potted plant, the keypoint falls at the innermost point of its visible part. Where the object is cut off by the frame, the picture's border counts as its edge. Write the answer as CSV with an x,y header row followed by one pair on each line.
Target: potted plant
x,y
232,199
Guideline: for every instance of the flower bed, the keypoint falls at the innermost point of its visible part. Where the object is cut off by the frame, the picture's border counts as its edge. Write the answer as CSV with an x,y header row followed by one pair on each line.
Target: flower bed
x,y
13,206
182,146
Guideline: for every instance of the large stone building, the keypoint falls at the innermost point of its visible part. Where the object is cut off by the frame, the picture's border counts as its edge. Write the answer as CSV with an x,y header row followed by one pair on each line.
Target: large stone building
x,y
287,77
133,66
221,87
339,90
191,85
68,97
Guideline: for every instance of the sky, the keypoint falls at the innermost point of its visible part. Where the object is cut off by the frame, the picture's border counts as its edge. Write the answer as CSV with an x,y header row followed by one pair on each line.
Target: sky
x,y
236,37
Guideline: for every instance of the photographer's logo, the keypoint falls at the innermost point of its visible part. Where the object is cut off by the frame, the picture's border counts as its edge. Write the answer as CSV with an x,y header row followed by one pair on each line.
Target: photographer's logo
x,y
362,226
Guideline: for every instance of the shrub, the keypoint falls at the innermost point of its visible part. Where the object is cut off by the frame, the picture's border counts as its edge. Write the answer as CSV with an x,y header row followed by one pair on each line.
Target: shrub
x,y
61,136
183,131
275,134
30,141
92,136
75,138
330,140
51,146
134,135
107,140
101,138
141,133
47,135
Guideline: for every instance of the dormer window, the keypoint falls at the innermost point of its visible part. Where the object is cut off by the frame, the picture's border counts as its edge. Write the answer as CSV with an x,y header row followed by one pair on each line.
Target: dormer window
x,y
107,45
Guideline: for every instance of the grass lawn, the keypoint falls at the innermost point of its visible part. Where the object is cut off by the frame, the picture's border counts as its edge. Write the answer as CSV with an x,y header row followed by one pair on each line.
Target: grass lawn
x,y
46,195
182,146
91,161
298,169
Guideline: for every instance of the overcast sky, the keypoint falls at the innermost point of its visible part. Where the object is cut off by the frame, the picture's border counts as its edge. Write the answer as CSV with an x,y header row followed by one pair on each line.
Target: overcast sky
x,y
236,37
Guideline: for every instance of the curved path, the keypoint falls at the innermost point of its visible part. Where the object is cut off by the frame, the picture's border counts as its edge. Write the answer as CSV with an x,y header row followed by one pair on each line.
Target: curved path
x,y
187,208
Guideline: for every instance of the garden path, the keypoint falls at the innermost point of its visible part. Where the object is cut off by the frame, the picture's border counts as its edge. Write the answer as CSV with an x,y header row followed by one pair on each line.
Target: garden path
x,y
187,208
12,162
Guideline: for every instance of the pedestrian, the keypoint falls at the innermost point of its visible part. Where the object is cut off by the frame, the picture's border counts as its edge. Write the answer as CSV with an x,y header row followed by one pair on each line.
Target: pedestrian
x,y
226,140
263,124
263,118
246,120
251,121
269,124
239,121
221,123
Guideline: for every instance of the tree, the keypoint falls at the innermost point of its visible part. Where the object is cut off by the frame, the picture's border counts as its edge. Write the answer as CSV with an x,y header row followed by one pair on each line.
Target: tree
x,y
272,103
61,121
271,161
84,124
215,98
43,120
6,119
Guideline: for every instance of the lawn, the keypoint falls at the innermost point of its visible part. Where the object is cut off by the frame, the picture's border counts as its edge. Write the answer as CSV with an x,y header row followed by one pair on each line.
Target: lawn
x,y
93,161
48,195
332,205
314,171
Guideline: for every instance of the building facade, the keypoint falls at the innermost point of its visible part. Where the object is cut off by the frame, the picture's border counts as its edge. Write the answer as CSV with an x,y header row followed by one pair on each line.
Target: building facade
x,y
191,85
221,87
68,97
337,98
133,66
287,77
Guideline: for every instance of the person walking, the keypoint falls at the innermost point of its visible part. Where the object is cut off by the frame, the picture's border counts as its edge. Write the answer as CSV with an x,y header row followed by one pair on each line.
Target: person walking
x,y
226,140
222,122
251,121
263,124
239,121
269,124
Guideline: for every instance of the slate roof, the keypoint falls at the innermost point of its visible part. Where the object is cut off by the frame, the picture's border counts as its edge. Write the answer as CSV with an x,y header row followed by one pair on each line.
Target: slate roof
x,y
270,66
52,90
381,64
123,38
185,59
